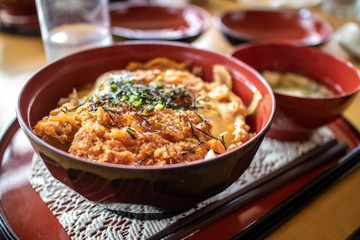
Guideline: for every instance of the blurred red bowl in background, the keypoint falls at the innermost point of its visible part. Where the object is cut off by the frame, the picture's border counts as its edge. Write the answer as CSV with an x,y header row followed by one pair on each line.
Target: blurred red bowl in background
x,y
298,27
19,16
132,21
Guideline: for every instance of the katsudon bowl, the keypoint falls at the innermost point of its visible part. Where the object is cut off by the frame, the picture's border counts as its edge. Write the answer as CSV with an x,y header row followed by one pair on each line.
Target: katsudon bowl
x,y
136,190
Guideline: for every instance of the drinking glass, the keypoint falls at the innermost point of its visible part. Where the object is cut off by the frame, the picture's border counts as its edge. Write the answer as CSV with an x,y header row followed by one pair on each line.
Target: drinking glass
x,y
340,8
69,26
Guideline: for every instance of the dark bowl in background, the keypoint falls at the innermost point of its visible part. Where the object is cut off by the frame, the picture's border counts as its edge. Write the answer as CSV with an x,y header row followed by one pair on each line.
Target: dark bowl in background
x,y
19,16
297,117
298,27
145,21
164,189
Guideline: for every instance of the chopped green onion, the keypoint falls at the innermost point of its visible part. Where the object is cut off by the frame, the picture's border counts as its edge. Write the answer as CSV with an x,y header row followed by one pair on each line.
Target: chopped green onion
x,y
159,77
136,103
113,86
159,106
159,85
124,98
130,133
149,110
133,98
138,93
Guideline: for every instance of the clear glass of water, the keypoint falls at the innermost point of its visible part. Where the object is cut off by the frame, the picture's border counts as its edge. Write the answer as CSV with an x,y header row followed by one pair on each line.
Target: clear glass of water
x,y
340,8
69,26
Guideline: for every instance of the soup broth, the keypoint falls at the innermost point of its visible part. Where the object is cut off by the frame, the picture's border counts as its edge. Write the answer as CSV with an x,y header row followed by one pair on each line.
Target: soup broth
x,y
296,84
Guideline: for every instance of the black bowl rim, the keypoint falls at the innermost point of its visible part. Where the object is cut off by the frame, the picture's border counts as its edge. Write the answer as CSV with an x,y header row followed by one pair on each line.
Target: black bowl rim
x,y
24,126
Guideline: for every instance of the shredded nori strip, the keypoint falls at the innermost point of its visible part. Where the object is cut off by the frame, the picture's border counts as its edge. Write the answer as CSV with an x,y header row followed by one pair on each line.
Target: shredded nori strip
x,y
143,160
167,150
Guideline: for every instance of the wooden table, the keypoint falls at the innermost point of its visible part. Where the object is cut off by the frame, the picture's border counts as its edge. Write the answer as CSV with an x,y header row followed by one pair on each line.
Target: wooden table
x,y
335,215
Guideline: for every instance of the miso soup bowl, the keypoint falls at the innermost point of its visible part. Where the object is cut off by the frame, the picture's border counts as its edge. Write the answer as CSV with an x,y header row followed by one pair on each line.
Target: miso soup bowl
x,y
297,117
135,190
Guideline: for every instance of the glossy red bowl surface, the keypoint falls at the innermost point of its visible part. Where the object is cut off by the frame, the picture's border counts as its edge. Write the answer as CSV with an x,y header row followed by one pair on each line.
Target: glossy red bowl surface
x,y
296,27
297,117
19,16
146,21
167,188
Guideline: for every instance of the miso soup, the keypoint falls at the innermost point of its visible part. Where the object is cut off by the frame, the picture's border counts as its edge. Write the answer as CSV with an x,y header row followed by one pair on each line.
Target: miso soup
x,y
295,84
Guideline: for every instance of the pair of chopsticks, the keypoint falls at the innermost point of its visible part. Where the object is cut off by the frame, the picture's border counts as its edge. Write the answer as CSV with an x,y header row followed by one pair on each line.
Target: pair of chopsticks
x,y
287,209
215,211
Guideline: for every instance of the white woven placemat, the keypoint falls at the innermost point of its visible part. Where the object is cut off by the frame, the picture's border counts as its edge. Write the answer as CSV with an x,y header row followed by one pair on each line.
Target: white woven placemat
x,y
83,219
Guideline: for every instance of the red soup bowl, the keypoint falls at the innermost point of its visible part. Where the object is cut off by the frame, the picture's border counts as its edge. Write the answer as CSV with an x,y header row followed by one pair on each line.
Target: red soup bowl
x,y
297,117
135,189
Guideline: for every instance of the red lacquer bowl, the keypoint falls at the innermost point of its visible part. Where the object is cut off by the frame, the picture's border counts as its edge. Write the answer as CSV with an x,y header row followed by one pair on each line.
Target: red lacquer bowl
x,y
153,189
297,117
132,21
291,26
19,16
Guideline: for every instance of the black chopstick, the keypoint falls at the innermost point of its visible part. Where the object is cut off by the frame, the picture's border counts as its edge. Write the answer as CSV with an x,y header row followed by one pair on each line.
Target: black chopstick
x,y
259,192
5,230
287,209
199,219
